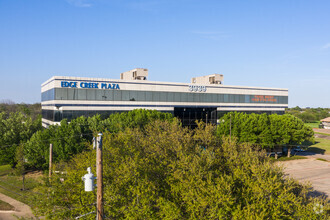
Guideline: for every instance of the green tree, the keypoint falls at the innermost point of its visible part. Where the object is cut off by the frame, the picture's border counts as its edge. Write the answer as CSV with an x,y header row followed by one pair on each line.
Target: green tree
x,y
72,138
267,131
15,129
161,171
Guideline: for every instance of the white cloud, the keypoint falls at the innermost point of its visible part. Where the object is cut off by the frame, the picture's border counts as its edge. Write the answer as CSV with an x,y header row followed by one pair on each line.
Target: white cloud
x,y
326,46
80,3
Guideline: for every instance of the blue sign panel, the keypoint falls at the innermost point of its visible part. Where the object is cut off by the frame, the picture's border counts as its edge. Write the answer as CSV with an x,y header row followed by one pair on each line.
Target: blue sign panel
x,y
89,85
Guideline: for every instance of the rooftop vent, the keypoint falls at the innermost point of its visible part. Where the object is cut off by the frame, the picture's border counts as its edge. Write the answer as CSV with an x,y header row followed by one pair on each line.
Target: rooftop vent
x,y
209,79
135,74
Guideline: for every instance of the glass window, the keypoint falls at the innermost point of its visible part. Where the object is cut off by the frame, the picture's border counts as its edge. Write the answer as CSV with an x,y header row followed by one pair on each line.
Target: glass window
x,y
148,96
48,95
61,94
208,97
220,98
190,97
231,98
247,98
184,97
108,95
214,98
72,94
132,96
163,96
236,98
155,96
82,94
177,97
226,98
286,98
170,97
99,95
58,116
117,95
91,94
196,97
202,97
67,114
125,95
141,96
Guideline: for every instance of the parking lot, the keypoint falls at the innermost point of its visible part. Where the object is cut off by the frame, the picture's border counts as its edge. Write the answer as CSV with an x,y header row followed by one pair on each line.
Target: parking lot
x,y
310,170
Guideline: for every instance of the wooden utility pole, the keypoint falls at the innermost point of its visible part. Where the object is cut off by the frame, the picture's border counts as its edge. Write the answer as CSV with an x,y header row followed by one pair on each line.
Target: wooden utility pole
x,y
230,128
50,160
99,170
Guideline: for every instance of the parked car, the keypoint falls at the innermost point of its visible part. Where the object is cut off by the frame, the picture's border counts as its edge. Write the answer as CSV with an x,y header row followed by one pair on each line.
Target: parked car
x,y
299,149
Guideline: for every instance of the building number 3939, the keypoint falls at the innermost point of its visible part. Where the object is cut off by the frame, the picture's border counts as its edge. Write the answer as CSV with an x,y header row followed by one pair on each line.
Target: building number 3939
x,y
193,88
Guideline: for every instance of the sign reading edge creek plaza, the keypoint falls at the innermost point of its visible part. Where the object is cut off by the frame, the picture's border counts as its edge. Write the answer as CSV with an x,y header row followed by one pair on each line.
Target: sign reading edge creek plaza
x,y
89,85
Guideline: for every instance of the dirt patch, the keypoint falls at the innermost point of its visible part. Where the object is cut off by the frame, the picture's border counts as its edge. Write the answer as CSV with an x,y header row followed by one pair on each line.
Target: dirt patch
x,y
322,136
4,206
34,174
324,131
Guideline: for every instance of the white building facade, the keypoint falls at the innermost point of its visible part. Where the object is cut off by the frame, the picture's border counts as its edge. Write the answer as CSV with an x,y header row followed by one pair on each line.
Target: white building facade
x,y
65,97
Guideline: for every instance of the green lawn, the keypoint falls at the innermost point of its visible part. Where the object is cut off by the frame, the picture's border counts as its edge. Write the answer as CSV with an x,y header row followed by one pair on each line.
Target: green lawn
x,y
5,169
321,146
285,158
12,185
313,124
5,206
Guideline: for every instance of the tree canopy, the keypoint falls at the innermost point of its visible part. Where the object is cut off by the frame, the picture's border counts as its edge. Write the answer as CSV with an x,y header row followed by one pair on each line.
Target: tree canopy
x,y
71,138
309,115
15,128
165,171
265,130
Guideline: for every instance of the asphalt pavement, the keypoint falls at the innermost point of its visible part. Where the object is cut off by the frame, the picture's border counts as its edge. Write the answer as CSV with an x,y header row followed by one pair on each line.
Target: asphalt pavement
x,y
311,171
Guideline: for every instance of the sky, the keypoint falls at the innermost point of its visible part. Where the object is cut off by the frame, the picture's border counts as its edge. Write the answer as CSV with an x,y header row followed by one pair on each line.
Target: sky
x,y
274,43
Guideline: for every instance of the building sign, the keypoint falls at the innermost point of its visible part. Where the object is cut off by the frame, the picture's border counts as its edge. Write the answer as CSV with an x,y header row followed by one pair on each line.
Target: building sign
x,y
89,85
193,88
263,98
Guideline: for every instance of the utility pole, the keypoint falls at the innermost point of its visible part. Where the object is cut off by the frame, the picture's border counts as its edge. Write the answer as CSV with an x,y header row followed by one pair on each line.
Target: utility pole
x,y
230,128
99,170
50,160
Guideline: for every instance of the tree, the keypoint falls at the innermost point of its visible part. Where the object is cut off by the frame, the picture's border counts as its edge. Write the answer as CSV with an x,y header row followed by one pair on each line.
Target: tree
x,y
267,131
15,129
20,166
69,139
161,171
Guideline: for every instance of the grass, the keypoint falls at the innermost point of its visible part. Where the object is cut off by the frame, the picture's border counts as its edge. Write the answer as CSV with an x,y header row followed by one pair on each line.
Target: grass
x,y
313,124
12,185
5,169
322,133
321,146
321,159
288,158
5,206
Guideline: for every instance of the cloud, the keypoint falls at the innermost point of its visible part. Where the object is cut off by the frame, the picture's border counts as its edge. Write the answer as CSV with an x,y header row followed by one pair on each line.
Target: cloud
x,y
80,3
213,35
326,46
